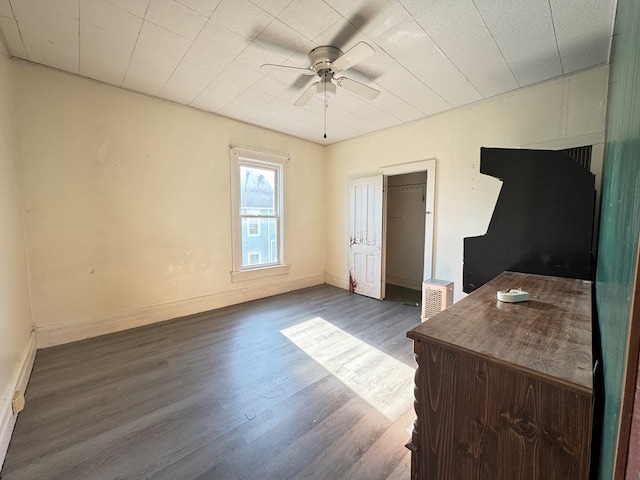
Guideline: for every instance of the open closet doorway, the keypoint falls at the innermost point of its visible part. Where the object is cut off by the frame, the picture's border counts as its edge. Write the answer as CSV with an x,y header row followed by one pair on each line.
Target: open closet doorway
x,y
405,229
368,227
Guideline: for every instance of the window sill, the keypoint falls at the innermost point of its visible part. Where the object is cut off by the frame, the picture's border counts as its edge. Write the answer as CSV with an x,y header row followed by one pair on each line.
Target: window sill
x,y
250,274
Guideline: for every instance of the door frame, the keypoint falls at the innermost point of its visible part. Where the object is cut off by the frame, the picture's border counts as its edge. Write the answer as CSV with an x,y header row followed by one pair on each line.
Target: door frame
x,y
429,166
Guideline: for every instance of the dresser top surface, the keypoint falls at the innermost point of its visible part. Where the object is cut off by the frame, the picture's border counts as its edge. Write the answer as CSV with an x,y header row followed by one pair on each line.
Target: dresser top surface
x,y
549,335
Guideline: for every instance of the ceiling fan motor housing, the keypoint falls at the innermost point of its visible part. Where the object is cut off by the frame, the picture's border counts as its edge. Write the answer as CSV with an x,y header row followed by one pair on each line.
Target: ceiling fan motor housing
x,y
321,58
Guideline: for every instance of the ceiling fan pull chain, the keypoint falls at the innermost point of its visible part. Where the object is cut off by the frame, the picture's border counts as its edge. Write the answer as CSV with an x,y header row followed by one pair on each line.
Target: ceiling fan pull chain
x,y
326,105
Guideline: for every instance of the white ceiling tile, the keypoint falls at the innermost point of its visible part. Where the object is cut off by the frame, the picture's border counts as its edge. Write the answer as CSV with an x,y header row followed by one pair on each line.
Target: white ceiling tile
x,y
176,18
416,93
342,35
202,57
144,79
227,86
279,104
345,100
410,45
238,109
70,8
186,83
583,30
203,7
389,17
12,36
291,95
285,42
109,43
263,116
65,61
179,94
147,57
242,74
163,40
222,40
525,35
347,117
213,98
45,19
255,97
111,18
395,31
50,49
472,50
447,82
312,113
415,6
347,7
99,71
274,7
238,115
101,65
137,7
270,85
309,17
387,68
5,9
242,17
254,56
290,126
360,18
292,79
397,107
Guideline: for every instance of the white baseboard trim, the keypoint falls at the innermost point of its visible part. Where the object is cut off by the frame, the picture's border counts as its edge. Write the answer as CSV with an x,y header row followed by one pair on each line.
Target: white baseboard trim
x,y
51,335
336,281
18,382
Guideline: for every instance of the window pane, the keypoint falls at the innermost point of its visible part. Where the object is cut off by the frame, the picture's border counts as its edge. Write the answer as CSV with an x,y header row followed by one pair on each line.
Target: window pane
x,y
257,190
259,241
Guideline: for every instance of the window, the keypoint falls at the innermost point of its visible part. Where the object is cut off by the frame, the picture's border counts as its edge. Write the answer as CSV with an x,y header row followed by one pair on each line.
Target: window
x,y
257,196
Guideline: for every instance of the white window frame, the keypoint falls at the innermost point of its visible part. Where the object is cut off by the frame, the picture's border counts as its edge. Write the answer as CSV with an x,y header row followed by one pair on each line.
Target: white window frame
x,y
241,156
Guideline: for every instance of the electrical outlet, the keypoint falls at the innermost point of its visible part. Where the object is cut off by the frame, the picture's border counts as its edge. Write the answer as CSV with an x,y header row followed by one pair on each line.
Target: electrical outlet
x,y
17,404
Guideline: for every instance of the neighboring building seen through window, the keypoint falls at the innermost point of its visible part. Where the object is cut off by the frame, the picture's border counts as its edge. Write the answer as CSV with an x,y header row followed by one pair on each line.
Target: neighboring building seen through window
x,y
259,214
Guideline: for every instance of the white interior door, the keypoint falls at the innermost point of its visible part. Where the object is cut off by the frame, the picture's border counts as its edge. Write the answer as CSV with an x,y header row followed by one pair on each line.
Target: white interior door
x,y
365,236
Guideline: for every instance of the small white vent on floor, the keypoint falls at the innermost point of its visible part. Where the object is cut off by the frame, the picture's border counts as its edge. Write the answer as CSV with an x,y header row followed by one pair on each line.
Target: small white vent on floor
x,y
436,296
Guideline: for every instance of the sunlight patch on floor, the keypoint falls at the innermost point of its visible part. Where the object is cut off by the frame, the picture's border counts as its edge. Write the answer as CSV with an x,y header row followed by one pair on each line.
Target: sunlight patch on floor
x,y
382,381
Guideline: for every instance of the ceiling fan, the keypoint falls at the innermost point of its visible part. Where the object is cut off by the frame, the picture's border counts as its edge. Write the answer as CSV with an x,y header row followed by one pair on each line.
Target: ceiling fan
x,y
325,61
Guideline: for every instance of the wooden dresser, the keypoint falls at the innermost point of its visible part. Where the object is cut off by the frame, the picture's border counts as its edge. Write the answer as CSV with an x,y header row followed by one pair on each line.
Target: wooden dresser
x,y
504,391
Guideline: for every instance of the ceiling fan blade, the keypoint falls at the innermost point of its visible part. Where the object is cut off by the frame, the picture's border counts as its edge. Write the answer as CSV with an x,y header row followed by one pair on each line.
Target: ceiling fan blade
x,y
273,40
306,96
358,88
274,67
357,21
352,56
300,82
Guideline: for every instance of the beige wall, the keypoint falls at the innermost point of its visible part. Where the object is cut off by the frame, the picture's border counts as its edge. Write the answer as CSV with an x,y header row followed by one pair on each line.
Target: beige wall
x,y
127,198
127,202
15,316
561,113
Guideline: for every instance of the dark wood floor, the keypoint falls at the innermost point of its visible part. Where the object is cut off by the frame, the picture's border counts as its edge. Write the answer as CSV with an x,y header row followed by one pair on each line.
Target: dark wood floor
x,y
219,395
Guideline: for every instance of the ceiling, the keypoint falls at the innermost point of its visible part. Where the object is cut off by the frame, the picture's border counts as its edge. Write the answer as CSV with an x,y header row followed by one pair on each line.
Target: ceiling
x,y
430,55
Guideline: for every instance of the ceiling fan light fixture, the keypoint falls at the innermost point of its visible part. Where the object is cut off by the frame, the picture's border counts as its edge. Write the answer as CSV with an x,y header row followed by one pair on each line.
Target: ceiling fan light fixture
x,y
325,90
